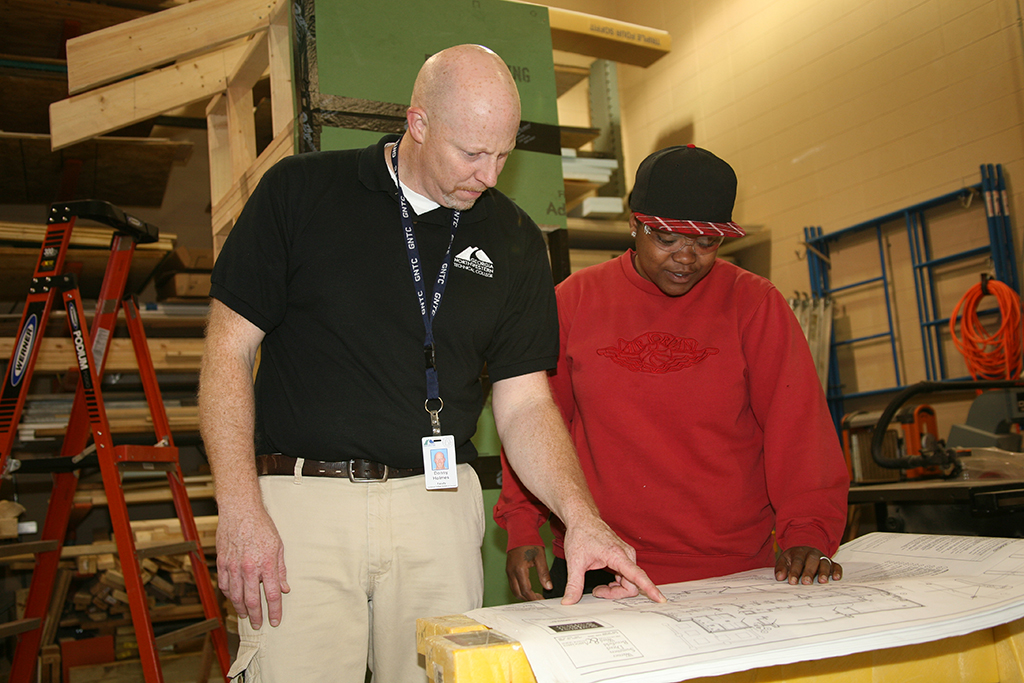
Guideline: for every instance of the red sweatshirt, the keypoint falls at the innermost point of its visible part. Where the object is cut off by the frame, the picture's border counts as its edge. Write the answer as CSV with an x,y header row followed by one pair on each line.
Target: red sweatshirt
x,y
699,421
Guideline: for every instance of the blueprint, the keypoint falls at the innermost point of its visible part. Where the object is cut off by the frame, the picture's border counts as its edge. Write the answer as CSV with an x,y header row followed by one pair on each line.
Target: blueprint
x,y
897,589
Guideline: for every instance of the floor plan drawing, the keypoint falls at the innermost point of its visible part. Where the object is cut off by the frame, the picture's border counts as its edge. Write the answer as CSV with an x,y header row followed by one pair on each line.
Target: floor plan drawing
x,y
897,589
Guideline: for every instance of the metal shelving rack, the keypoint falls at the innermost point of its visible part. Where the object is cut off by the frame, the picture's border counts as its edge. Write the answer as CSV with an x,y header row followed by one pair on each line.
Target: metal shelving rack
x,y
821,247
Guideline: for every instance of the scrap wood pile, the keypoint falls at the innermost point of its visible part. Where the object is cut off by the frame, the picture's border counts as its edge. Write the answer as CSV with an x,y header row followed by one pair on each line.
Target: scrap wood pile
x,y
93,587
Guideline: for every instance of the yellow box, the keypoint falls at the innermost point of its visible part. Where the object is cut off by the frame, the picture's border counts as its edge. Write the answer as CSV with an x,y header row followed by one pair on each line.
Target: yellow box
x,y
476,657
440,626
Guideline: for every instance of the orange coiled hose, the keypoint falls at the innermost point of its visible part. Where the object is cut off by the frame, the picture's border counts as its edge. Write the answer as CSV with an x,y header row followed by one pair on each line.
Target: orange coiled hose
x,y
989,356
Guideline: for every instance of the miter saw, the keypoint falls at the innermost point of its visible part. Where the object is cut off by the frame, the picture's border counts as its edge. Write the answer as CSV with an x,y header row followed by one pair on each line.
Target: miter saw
x,y
974,481
989,427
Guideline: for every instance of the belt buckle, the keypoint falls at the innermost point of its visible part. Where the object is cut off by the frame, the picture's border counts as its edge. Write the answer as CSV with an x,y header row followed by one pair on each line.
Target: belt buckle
x,y
364,480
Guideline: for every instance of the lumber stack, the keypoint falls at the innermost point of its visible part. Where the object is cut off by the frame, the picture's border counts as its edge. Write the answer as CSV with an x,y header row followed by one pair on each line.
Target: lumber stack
x,y
184,276
45,418
81,236
212,51
87,256
92,593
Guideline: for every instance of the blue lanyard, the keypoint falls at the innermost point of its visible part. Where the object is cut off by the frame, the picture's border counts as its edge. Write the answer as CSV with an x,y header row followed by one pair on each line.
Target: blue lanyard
x,y
413,252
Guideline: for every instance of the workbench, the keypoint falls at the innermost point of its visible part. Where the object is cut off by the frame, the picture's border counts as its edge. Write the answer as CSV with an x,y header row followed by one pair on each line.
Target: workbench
x,y
978,507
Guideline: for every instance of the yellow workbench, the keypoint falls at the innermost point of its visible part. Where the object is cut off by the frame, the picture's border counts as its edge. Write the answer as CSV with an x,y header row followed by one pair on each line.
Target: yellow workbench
x,y
461,650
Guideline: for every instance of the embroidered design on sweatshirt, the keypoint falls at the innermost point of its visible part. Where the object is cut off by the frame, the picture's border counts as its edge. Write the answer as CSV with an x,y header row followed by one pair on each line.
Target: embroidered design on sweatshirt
x,y
657,353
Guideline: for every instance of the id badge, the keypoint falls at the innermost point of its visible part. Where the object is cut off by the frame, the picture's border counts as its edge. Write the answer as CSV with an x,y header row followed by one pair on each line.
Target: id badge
x,y
439,462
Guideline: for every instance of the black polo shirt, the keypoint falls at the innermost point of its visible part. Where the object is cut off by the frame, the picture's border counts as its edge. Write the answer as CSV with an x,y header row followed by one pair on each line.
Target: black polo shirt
x,y
317,261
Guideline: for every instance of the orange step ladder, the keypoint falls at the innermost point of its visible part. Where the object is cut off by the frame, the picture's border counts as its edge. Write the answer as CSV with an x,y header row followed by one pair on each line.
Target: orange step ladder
x,y
89,418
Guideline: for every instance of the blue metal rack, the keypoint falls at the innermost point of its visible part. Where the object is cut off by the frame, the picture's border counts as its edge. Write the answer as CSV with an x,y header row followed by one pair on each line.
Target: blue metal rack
x,y
923,262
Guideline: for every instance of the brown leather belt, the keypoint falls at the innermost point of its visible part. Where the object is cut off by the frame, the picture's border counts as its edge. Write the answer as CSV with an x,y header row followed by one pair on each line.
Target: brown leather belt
x,y
356,470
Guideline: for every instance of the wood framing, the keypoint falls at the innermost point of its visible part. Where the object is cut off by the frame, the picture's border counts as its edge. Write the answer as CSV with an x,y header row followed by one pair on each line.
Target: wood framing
x,y
226,210
217,50
120,51
115,106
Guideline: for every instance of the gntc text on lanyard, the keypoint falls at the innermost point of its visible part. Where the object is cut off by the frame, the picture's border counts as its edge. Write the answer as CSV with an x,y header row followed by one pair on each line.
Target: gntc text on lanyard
x,y
438,449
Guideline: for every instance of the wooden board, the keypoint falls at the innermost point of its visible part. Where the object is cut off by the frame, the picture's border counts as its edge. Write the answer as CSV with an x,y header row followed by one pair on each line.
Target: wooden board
x,y
619,41
176,669
27,94
184,286
87,233
134,101
169,355
38,28
113,53
19,263
126,172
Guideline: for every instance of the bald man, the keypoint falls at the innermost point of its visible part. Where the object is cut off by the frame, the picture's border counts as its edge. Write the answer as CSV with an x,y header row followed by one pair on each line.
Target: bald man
x,y
376,284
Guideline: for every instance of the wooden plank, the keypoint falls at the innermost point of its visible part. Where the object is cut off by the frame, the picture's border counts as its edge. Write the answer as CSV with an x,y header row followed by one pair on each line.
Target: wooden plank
x,y
241,129
115,106
57,600
187,632
595,36
252,65
138,425
71,551
175,668
19,263
82,236
126,172
21,549
26,94
219,148
13,628
101,548
225,211
37,28
196,487
49,664
166,549
113,53
282,91
58,354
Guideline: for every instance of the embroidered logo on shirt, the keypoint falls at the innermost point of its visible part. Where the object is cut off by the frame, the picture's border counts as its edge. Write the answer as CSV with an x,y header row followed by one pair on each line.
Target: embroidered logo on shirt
x,y
475,260
657,353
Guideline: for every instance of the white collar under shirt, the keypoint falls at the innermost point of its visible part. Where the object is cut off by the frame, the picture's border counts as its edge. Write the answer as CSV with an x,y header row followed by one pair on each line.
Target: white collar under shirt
x,y
419,203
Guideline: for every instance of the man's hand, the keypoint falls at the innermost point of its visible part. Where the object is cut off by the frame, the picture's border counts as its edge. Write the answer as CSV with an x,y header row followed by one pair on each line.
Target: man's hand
x,y
802,564
250,552
597,547
517,566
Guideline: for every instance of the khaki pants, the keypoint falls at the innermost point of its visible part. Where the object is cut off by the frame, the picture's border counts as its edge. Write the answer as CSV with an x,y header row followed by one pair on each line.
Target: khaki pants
x,y
364,561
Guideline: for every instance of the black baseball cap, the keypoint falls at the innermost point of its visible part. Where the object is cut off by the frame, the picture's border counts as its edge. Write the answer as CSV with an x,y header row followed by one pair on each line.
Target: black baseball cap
x,y
685,189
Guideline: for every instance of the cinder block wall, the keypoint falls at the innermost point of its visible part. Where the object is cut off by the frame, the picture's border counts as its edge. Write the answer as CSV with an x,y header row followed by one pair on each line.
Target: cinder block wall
x,y
834,112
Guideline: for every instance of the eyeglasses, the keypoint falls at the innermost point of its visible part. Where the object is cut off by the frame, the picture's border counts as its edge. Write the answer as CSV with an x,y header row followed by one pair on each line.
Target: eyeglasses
x,y
671,242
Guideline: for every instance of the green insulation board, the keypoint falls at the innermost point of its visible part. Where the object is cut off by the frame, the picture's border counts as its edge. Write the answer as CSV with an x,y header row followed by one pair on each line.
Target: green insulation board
x,y
373,50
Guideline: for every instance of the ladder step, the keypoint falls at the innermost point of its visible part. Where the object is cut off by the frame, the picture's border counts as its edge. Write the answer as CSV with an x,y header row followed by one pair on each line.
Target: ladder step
x,y
136,466
27,548
134,453
166,549
13,628
187,632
